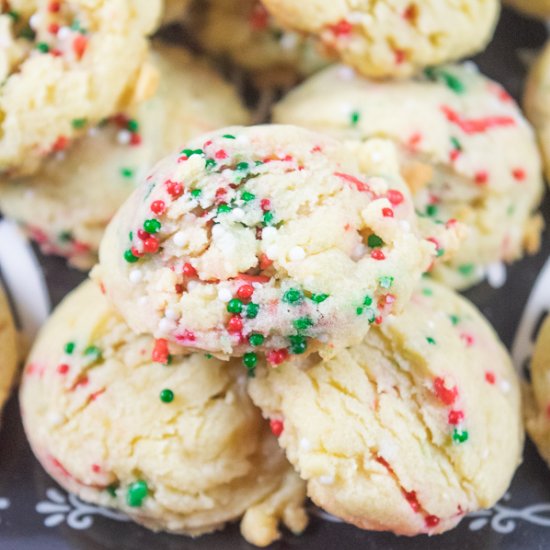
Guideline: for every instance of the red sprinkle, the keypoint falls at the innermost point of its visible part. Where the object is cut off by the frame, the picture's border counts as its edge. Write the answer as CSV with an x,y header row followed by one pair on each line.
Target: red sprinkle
x,y
151,245
96,468
400,56
468,339
253,278
160,351
79,45
377,254
360,185
174,188
277,427
189,271
265,204
158,207
277,356
221,154
136,252
481,177
135,140
54,7
414,140
387,212
63,369
53,28
432,521
519,174
142,234
412,499
490,377
265,262
444,394
455,417
60,144
259,18
245,292
395,196
454,154
342,28
476,125
235,324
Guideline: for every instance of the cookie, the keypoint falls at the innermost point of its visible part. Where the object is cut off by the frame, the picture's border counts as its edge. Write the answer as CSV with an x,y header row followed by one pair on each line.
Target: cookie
x,y
8,349
174,11
244,33
66,66
537,95
66,207
408,431
392,38
265,239
537,401
538,8
465,150
177,447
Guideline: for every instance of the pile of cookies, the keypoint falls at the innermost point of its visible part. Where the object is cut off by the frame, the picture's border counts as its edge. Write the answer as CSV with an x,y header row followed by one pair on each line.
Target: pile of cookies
x,y
273,311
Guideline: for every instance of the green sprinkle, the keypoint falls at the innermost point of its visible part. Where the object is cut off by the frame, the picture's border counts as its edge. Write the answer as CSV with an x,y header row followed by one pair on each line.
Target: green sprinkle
x,y
455,319
14,15
298,344
131,235
319,298
453,83
129,257
78,123
430,340
355,117
460,436
247,196
440,252
431,210
258,162
385,281
111,489
234,306
208,355
196,193
256,339
456,144
127,172
293,296
367,301
137,491
371,315
374,241
229,136
223,208
466,269
209,163
427,291
69,348
93,354
511,210
169,360
151,226
268,218
359,311
242,166
65,236
43,47
303,323
133,125
250,360
190,152
166,396
252,310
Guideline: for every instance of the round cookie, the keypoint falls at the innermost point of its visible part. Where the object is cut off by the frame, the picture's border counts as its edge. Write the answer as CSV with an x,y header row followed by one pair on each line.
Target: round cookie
x,y
65,66
539,8
66,207
178,448
536,103
465,150
245,33
265,239
8,349
410,430
392,38
537,401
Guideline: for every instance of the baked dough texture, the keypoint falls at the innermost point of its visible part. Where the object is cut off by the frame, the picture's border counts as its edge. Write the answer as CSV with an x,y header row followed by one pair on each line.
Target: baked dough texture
x,y
8,349
538,8
67,205
177,447
465,150
392,38
265,239
65,66
408,431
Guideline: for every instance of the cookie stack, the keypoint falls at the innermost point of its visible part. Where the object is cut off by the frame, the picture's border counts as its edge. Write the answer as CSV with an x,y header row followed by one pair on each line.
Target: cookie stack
x,y
273,313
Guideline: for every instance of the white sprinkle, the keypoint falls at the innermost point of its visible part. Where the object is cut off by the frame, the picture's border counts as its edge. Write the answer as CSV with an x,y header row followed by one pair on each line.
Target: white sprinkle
x,y
123,137
224,295
305,444
505,386
257,285
346,73
242,139
405,225
171,313
289,41
55,419
179,238
296,254
63,33
237,213
326,480
272,252
358,251
268,233
496,274
136,275
166,325
34,21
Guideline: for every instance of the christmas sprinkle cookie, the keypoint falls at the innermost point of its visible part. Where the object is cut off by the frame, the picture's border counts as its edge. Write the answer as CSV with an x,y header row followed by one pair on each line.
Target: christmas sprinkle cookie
x,y
537,402
465,150
178,447
65,66
245,33
66,207
392,38
539,8
408,431
265,239
8,349
536,102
